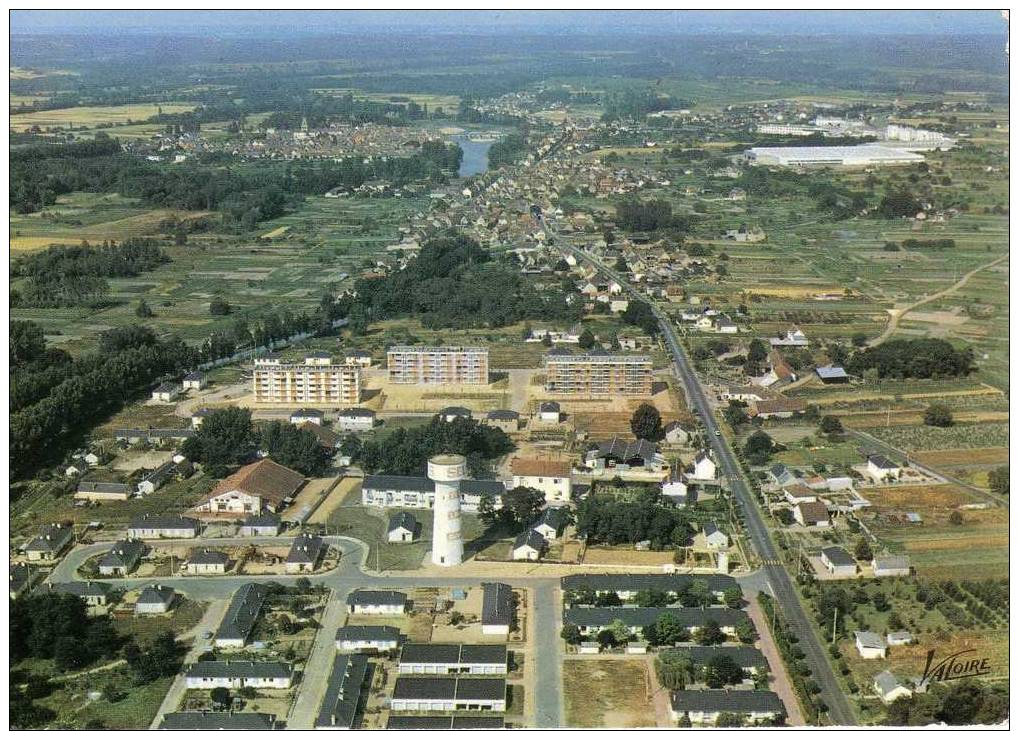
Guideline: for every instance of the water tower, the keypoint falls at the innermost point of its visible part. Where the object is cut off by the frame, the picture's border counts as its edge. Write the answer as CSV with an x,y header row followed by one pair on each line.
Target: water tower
x,y
446,471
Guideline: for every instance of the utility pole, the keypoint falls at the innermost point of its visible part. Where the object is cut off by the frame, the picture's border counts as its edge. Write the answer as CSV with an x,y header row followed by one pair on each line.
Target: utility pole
x,y
834,622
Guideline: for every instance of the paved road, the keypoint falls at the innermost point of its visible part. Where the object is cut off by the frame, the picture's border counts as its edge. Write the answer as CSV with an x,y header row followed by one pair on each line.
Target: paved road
x,y
840,710
548,676
878,445
320,662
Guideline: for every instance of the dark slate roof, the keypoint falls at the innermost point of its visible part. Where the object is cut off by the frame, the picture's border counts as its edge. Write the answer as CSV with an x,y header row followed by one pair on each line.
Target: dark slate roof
x,y
163,522
443,722
368,633
725,701
503,415
263,520
344,691
81,588
416,652
636,582
413,483
107,488
202,720
554,518
457,411
50,538
357,411
306,548
375,597
403,519
623,450
171,433
156,594
243,611
308,412
161,474
21,574
743,655
496,603
208,556
881,461
530,538
239,669
838,556
444,688
643,616
550,407
124,553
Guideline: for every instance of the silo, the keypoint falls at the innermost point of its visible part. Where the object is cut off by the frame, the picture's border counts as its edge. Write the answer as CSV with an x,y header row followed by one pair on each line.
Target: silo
x,y
446,471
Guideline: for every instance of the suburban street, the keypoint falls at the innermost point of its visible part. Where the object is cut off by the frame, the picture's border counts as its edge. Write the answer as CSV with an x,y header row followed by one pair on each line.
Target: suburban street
x,y
778,578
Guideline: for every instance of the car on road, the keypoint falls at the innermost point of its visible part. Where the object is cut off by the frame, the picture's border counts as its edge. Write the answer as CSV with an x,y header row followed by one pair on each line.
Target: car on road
x,y
718,432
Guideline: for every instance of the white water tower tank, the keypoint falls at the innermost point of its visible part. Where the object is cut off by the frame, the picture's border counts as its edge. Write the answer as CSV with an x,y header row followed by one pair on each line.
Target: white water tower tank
x,y
446,471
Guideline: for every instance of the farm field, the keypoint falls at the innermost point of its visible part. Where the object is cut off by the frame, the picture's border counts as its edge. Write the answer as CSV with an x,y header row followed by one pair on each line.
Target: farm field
x,y
959,436
978,548
622,700
92,116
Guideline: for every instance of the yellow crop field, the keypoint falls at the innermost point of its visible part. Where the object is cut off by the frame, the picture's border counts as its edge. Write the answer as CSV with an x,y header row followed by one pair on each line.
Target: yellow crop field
x,y
91,116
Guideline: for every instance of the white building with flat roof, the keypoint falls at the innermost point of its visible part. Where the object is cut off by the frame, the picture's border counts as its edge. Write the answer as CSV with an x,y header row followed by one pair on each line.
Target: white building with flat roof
x,y
831,155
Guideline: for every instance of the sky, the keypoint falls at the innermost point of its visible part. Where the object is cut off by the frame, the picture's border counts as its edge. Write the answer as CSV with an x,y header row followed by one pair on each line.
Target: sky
x,y
251,23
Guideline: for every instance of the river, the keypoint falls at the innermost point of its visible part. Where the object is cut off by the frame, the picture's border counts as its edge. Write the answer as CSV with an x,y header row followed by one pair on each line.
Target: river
x,y
475,158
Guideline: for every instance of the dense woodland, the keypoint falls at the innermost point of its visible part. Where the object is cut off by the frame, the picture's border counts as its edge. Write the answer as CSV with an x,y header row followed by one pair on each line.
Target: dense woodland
x,y
605,519
912,358
454,283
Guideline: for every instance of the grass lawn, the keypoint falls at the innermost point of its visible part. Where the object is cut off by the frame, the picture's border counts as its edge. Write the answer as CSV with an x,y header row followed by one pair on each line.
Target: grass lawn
x,y
621,700
135,710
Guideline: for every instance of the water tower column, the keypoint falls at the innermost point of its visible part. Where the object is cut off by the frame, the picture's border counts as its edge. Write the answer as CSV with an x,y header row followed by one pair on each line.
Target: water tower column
x,y
446,471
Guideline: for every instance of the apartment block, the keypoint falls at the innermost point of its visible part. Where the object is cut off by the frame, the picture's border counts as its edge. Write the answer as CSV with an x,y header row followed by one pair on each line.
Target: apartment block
x,y
439,365
599,374
316,380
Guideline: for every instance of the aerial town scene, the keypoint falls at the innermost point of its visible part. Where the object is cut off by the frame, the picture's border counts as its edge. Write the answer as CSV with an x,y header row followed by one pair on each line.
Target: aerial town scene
x,y
456,369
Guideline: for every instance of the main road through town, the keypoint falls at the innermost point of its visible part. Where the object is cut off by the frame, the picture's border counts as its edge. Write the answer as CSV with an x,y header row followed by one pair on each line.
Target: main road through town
x,y
839,708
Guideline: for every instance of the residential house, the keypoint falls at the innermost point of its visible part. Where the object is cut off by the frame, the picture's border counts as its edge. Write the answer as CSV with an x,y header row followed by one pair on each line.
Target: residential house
x,y
888,687
198,417
103,491
403,528
262,524
704,707
812,514
368,601
195,381
550,412
592,620
262,485
676,434
890,566
550,476
209,720
552,523
155,599
237,674
163,526
621,455
881,468
123,558
871,645
22,577
77,468
675,489
155,479
452,413
166,392
725,326
355,419
306,552
505,419
796,492
415,492
241,615
703,468
779,408
95,594
899,638
450,659
791,339
497,608
528,546
361,358
344,695
205,561
50,542
301,416
749,659
449,694
362,638
713,536
326,437
838,562
626,586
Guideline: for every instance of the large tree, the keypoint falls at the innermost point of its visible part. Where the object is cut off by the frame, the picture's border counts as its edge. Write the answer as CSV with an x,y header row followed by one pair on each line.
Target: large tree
x,y
646,423
226,437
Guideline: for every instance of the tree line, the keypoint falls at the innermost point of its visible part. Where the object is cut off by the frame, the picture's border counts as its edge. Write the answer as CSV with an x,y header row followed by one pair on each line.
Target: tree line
x,y
912,358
